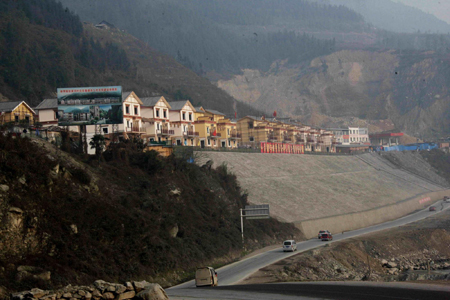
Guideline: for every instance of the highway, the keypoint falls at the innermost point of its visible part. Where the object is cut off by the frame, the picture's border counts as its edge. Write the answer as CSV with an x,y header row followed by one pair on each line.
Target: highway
x,y
234,273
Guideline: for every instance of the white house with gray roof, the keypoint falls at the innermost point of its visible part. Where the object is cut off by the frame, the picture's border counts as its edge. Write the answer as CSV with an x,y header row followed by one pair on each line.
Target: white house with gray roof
x,y
46,112
182,114
156,120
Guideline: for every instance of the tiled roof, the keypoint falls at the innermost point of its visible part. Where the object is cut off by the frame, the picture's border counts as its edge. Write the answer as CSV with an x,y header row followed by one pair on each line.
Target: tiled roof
x,y
215,112
9,105
150,101
177,105
48,104
125,95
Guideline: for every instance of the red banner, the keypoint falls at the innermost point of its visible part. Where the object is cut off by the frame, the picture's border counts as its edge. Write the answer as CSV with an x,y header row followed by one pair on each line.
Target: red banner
x,y
282,148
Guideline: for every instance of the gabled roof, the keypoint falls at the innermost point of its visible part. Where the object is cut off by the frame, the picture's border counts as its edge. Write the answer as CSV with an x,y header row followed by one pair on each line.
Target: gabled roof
x,y
249,117
151,101
178,105
9,106
125,95
199,109
48,104
215,112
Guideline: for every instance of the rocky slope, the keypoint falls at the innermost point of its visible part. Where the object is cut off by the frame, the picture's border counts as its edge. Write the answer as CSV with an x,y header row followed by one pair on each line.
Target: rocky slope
x,y
134,216
406,91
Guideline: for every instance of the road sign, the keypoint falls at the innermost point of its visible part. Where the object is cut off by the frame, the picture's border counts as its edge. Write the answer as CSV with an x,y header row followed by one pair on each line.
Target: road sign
x,y
260,211
257,211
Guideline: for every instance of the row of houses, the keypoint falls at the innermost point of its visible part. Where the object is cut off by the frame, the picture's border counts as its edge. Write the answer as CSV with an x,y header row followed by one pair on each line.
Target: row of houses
x,y
157,120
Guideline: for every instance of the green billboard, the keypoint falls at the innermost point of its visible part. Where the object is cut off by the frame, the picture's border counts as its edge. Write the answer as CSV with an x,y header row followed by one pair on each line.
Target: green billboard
x,y
89,106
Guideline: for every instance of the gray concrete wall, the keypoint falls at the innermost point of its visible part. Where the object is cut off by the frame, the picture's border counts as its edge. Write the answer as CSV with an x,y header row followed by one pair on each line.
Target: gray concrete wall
x,y
352,221
305,187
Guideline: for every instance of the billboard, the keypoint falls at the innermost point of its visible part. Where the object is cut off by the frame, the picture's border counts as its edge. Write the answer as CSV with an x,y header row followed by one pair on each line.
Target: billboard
x,y
260,211
89,106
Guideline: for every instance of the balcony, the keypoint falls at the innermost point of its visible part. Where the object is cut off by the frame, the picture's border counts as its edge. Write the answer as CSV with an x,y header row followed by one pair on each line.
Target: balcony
x,y
235,136
312,141
215,135
272,138
192,133
167,132
134,129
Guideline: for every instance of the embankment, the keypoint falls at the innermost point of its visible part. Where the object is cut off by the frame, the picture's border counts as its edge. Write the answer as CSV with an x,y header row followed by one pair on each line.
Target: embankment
x,y
337,192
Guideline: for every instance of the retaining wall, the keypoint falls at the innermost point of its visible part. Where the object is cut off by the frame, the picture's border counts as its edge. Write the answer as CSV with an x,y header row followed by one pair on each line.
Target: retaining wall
x,y
353,221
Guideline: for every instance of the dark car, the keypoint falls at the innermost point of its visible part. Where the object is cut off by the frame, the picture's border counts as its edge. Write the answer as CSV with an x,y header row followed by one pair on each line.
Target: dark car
x,y
326,237
322,232
432,208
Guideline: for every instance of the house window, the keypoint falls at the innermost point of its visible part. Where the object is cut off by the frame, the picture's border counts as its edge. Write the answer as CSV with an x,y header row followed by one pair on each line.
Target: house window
x,y
250,125
157,113
16,118
165,113
209,142
157,126
192,142
207,129
184,116
190,117
128,123
251,139
229,143
127,109
105,130
228,131
136,110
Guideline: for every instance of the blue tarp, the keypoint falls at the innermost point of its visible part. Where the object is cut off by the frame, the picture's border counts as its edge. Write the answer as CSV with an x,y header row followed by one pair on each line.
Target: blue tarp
x,y
411,147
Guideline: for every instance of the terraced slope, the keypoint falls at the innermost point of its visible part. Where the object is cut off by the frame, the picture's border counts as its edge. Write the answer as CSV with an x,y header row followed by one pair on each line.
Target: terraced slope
x,y
302,187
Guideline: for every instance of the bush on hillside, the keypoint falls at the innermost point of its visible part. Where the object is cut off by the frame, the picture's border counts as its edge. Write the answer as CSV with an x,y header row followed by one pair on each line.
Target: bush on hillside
x,y
123,230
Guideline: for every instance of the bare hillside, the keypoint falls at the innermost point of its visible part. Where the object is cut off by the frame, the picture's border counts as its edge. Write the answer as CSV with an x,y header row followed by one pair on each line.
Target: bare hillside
x,y
355,88
299,187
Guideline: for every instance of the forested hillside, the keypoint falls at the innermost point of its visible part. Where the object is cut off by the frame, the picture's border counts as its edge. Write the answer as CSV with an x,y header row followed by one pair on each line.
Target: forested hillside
x,y
44,46
132,216
225,36
394,16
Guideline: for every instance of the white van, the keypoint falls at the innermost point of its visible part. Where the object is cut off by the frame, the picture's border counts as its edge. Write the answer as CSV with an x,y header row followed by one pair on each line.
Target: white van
x,y
206,276
289,245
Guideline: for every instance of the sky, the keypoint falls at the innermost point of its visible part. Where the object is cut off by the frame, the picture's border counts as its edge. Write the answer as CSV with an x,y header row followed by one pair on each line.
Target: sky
x,y
439,8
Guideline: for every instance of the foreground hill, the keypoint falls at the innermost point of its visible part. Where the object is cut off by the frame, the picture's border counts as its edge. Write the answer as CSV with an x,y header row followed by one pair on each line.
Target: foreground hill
x,y
135,216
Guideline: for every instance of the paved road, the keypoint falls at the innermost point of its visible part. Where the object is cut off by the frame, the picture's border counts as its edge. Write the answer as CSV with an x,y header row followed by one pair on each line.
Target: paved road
x,y
319,290
236,272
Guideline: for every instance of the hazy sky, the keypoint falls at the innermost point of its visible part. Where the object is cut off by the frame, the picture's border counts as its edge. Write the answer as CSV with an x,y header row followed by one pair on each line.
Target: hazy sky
x,y
439,8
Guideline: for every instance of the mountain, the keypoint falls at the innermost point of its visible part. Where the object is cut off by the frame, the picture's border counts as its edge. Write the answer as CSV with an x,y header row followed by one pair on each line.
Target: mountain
x,y
45,46
394,16
407,90
213,36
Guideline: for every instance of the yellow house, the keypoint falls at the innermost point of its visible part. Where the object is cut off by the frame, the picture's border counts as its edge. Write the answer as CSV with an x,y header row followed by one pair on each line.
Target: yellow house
x,y
254,131
216,115
199,112
207,132
206,125
17,112
229,137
